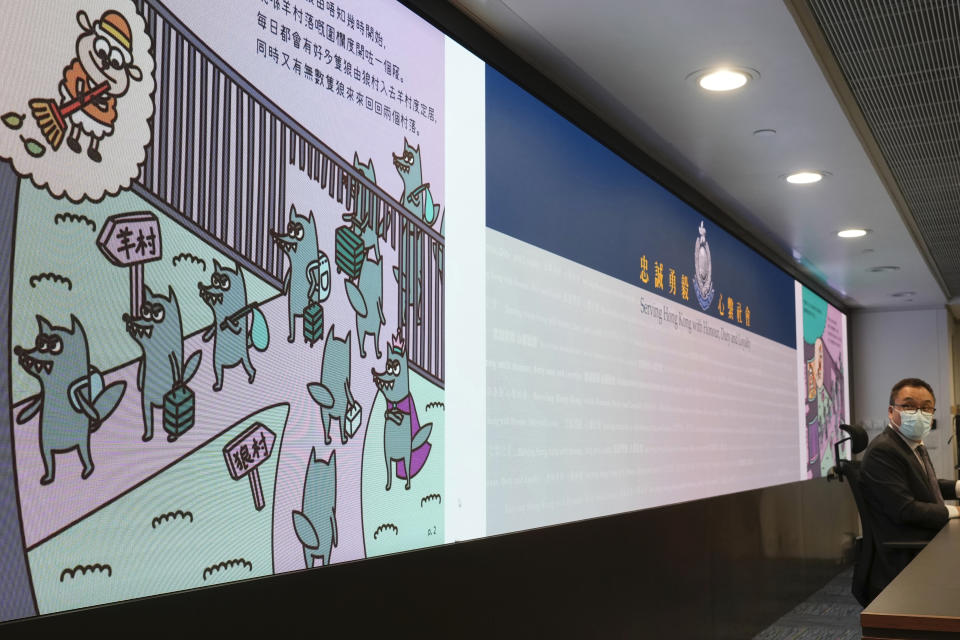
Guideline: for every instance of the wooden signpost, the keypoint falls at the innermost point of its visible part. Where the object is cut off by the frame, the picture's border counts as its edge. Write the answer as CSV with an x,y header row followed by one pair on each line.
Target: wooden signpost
x,y
131,240
244,455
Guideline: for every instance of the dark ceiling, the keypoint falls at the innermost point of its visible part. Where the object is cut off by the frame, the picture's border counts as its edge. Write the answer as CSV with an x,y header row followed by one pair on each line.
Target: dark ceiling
x,y
901,61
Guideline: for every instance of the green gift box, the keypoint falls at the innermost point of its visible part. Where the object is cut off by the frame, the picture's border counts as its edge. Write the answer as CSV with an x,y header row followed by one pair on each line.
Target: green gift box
x,y
179,411
350,253
313,323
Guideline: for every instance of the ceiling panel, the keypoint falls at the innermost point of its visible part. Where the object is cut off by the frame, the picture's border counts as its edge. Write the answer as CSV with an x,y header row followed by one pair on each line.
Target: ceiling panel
x,y
902,63
628,62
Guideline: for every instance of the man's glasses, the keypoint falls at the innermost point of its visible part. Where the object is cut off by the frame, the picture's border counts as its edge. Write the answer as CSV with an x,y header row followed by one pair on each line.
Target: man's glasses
x,y
911,410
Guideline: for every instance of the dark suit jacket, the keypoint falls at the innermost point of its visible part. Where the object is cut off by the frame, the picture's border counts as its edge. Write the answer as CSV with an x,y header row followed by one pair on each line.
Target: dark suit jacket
x,y
901,505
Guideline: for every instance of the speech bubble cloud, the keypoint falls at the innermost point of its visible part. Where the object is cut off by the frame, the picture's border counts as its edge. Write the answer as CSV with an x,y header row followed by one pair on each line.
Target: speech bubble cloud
x,y
49,56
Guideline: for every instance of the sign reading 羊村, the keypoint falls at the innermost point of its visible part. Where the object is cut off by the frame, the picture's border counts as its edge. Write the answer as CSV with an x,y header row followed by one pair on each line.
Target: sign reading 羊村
x,y
131,240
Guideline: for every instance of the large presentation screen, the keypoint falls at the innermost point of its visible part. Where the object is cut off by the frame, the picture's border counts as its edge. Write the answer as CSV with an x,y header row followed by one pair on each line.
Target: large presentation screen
x,y
242,337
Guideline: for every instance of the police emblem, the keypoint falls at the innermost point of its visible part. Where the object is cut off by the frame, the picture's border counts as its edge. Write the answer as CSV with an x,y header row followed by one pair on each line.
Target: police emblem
x,y
703,268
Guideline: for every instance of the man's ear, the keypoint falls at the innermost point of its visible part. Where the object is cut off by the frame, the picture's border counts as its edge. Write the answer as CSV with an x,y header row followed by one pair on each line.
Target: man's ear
x,y
134,72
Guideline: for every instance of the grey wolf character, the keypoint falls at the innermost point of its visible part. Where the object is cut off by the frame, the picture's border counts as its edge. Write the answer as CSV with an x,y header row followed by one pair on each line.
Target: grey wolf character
x,y
159,332
361,220
73,401
404,438
316,525
308,276
99,74
367,301
418,200
416,197
333,393
226,295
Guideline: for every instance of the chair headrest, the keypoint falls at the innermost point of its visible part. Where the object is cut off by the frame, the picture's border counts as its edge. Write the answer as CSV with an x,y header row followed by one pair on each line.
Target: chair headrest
x,y
858,437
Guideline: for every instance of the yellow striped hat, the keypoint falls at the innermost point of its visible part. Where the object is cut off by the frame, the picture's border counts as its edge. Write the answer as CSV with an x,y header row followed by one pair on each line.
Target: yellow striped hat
x,y
115,27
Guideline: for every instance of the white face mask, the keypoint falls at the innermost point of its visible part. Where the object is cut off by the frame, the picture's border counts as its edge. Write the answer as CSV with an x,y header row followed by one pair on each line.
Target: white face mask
x,y
916,426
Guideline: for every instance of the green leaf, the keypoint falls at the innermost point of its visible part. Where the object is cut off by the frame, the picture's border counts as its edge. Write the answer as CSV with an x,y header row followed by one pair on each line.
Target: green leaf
x,y
33,147
13,120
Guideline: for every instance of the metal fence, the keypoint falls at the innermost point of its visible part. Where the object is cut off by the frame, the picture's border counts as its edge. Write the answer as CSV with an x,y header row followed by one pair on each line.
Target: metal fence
x,y
218,164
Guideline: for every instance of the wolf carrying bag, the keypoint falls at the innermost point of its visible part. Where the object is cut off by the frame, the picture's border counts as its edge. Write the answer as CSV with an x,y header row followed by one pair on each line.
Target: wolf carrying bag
x,y
353,418
349,256
312,323
179,411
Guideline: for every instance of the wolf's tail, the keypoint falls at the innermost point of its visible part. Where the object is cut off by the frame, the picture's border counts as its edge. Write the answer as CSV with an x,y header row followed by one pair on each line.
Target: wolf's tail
x,y
357,301
105,403
320,394
191,365
421,436
305,530
259,335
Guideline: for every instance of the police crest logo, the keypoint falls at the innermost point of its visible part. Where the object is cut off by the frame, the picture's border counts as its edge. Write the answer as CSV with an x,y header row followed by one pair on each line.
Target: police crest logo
x,y
703,268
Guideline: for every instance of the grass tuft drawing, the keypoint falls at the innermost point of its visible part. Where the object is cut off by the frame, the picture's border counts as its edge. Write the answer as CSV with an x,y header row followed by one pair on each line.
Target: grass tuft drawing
x,y
221,566
387,526
55,277
74,217
84,569
171,515
433,497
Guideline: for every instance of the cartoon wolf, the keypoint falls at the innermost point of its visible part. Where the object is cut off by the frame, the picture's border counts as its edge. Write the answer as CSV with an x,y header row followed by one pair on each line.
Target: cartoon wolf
x,y
308,277
159,332
73,401
362,219
333,393
404,438
226,295
316,525
367,302
418,200
416,197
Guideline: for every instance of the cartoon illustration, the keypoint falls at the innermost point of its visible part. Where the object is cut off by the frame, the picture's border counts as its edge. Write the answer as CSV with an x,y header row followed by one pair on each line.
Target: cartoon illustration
x,y
159,332
92,82
333,393
308,277
822,365
416,197
316,525
138,149
362,222
367,301
404,438
226,295
73,401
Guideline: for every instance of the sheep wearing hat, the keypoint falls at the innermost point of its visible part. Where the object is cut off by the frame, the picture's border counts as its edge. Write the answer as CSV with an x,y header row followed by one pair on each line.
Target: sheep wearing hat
x,y
99,75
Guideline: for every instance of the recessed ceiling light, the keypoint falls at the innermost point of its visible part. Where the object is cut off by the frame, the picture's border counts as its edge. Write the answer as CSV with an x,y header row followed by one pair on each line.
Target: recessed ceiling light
x,y
852,233
723,80
903,294
720,79
881,269
805,177
765,133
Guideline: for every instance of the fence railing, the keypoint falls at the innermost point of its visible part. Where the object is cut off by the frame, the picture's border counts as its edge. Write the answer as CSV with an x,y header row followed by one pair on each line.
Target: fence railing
x,y
218,164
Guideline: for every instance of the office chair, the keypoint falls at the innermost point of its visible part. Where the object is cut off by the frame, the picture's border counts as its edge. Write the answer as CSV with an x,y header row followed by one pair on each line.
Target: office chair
x,y
865,548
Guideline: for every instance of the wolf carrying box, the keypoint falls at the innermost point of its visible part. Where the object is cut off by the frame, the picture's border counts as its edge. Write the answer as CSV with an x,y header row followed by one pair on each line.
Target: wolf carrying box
x,y
354,418
312,323
349,256
178,411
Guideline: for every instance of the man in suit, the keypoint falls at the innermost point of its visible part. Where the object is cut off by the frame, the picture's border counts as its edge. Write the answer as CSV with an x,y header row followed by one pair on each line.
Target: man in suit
x,y
899,485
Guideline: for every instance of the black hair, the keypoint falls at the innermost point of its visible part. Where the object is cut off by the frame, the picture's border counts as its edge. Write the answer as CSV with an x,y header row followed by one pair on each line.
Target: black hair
x,y
909,382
